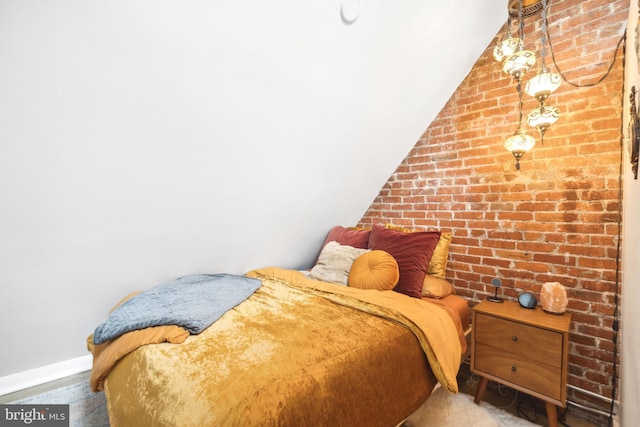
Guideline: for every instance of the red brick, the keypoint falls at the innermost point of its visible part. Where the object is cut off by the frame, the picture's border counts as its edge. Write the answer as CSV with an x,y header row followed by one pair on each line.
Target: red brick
x,y
556,218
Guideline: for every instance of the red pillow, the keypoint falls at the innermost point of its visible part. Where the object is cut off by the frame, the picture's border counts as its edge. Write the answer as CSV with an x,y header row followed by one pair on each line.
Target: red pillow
x,y
357,238
412,251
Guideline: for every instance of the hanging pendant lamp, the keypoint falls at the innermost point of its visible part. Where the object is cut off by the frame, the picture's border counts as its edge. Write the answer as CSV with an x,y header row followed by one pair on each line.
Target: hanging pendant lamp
x,y
543,85
518,63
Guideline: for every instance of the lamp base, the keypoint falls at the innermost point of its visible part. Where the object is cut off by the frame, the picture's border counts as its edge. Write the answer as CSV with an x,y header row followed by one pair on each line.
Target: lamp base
x,y
495,297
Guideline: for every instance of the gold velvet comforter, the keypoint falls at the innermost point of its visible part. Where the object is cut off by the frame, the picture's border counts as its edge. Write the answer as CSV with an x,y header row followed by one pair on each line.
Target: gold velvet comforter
x,y
298,352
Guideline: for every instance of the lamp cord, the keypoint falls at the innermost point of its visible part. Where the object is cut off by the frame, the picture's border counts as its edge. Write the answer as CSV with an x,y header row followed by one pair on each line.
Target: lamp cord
x,y
543,49
521,23
519,86
616,303
553,57
520,103
616,312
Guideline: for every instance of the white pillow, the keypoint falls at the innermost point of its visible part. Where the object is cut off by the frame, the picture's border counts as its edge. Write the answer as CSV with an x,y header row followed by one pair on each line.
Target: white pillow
x,y
334,263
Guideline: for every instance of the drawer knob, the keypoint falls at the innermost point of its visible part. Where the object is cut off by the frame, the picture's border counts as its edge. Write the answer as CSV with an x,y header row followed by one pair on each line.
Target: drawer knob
x,y
514,338
513,369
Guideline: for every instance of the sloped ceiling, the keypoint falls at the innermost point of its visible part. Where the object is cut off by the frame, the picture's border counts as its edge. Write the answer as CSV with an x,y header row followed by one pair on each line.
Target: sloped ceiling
x,y
142,140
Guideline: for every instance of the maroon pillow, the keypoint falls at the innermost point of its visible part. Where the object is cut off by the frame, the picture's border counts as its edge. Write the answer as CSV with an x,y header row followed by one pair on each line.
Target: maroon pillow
x,y
357,238
412,252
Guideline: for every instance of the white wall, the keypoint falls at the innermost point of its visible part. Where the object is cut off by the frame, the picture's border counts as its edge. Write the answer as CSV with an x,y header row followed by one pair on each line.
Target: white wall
x,y
142,140
630,301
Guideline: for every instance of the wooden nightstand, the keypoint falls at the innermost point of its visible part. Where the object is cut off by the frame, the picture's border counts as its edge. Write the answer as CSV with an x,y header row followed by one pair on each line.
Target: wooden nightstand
x,y
526,349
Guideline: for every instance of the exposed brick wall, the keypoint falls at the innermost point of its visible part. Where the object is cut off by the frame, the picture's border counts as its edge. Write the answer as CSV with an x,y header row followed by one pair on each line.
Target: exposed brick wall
x,y
556,218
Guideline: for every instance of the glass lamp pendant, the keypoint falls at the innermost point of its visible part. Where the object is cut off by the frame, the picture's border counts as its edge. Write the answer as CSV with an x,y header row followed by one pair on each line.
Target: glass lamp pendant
x,y
518,63
506,48
518,144
543,117
542,85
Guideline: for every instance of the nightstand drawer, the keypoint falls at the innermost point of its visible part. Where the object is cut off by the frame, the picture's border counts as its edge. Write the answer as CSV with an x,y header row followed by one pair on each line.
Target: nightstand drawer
x,y
530,342
525,372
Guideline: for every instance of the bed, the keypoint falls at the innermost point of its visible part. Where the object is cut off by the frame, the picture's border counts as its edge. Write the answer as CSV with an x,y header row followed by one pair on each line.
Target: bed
x,y
297,351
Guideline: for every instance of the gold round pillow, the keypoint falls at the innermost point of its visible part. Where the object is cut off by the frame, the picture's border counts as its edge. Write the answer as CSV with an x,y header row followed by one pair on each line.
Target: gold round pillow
x,y
374,270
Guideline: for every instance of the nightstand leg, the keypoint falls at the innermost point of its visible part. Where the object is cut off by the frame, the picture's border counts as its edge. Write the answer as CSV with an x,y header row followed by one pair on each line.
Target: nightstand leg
x,y
482,385
552,414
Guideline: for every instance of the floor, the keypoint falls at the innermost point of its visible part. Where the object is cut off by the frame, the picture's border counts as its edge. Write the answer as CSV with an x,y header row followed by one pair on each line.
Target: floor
x,y
522,405
86,409
499,396
43,388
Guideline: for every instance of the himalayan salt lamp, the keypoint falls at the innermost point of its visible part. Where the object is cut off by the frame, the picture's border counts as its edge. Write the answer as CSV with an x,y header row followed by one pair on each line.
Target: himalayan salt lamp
x,y
553,297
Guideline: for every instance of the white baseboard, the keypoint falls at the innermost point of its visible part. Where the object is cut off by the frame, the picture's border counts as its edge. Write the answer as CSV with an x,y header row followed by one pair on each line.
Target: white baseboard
x,y
33,377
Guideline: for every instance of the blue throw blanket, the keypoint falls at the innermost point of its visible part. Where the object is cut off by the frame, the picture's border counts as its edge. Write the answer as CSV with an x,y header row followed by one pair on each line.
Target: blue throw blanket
x,y
193,302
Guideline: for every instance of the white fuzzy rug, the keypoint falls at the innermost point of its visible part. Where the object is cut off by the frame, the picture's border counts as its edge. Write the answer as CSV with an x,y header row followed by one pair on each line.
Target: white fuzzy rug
x,y
444,409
